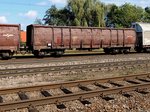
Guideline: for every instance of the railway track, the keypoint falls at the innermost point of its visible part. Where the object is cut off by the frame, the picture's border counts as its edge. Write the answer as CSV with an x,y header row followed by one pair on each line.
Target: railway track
x,y
73,57
138,83
81,67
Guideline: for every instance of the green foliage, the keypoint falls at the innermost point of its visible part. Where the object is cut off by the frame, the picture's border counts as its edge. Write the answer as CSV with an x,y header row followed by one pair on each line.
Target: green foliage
x,y
56,16
87,12
77,13
96,14
76,8
124,15
146,15
51,16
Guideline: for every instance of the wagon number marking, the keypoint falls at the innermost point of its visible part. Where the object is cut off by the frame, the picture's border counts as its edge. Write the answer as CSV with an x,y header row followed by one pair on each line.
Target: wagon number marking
x,y
8,35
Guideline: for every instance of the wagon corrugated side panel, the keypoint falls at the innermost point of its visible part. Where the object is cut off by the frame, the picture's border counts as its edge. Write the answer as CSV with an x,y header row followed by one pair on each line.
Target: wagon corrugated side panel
x,y
120,37
113,38
39,37
76,37
105,37
86,38
66,37
9,37
129,37
96,38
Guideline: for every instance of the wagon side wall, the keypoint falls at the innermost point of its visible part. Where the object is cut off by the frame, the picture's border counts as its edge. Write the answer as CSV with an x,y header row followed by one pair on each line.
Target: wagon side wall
x,y
9,37
52,37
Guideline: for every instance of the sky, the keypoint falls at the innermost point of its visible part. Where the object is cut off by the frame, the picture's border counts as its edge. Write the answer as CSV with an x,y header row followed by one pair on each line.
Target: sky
x,y
25,13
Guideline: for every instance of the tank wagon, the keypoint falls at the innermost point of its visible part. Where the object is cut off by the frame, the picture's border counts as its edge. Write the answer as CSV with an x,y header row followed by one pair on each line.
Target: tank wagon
x,y
9,39
55,40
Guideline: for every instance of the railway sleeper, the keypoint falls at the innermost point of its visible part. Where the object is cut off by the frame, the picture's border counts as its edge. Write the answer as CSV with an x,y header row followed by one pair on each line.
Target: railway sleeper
x,y
143,80
23,96
66,91
84,88
32,109
115,84
61,106
85,102
101,86
142,91
45,93
127,95
107,98
1,99
132,82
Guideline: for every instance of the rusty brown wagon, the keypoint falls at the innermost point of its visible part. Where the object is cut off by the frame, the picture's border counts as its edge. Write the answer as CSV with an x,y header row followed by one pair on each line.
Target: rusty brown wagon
x,y
9,39
55,39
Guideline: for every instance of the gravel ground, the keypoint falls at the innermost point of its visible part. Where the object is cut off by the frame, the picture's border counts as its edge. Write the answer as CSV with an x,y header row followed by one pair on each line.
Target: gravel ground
x,y
137,103
54,77
118,103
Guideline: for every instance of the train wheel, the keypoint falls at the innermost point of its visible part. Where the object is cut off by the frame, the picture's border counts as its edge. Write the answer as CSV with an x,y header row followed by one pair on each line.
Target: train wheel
x,y
59,53
120,51
107,51
114,51
139,50
36,53
148,50
5,56
125,51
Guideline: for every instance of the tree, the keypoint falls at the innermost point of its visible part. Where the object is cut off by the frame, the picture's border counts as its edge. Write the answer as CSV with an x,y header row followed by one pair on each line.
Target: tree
x,y
112,12
76,8
56,16
87,12
124,15
77,13
146,15
51,16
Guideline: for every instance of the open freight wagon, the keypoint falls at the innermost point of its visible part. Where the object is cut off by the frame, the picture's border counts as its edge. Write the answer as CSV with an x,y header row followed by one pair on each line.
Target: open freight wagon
x,y
9,39
55,40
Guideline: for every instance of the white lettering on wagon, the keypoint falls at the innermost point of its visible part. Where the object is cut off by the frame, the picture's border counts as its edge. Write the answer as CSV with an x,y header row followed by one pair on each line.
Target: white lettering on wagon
x,y
8,35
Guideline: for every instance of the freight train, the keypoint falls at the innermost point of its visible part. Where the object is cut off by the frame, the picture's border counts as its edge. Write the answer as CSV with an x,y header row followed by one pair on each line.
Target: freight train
x,y
43,40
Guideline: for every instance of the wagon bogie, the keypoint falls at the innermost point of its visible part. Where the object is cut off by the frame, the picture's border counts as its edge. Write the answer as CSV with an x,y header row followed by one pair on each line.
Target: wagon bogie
x,y
52,52
57,53
6,54
117,50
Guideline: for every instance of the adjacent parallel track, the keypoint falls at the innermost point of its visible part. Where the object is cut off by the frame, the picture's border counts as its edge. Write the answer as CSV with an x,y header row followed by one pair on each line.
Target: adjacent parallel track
x,y
25,71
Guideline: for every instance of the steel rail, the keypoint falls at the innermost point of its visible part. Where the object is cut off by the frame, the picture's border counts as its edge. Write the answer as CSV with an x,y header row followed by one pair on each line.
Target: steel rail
x,y
72,83
70,97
